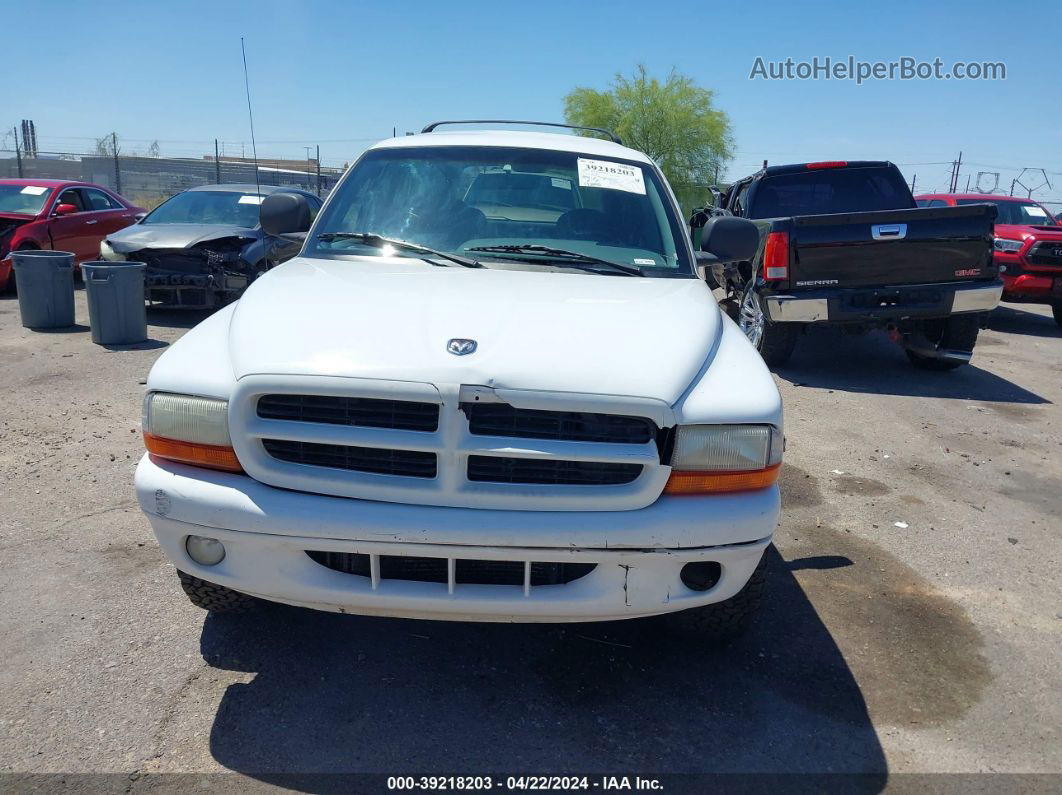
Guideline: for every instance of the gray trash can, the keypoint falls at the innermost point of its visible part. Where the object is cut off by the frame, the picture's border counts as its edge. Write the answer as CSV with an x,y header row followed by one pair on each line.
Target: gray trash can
x,y
45,281
115,293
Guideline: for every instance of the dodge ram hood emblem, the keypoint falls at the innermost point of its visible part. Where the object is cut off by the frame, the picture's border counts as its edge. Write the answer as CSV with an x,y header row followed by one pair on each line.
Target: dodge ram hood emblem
x,y
460,347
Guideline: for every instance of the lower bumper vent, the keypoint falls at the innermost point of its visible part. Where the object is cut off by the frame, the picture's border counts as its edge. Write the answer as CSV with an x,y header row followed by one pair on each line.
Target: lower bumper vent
x,y
466,572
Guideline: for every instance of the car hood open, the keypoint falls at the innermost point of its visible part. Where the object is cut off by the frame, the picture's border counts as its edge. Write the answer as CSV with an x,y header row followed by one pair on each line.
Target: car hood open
x,y
139,236
538,330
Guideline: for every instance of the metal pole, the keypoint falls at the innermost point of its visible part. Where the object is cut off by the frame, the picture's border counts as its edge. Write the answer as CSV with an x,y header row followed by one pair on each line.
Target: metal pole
x,y
318,169
117,171
217,164
18,154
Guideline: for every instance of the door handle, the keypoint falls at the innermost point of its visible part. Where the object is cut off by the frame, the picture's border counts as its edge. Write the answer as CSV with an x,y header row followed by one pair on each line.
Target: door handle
x,y
88,223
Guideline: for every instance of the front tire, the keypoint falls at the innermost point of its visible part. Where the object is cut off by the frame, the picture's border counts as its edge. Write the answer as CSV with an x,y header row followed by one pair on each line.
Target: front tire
x,y
727,619
215,598
774,341
1056,310
958,332
11,287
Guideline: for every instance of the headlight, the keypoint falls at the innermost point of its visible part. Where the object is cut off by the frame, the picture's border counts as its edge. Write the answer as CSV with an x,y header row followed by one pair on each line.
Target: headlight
x,y
108,253
709,459
189,429
1007,246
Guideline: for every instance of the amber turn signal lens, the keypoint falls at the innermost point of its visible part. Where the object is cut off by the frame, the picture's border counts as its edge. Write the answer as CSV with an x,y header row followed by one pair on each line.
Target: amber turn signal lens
x,y
721,482
200,455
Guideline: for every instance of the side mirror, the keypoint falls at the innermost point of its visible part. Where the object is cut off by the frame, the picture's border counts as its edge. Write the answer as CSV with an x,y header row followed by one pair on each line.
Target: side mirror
x,y
65,209
284,214
726,239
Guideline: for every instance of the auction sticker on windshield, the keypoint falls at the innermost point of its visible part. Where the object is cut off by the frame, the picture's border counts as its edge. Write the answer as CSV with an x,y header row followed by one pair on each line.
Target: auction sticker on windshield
x,y
33,190
251,199
614,176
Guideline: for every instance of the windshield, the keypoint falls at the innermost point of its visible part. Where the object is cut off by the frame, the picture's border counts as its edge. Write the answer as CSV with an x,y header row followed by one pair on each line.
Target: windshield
x,y
472,200
228,208
26,199
1017,213
830,190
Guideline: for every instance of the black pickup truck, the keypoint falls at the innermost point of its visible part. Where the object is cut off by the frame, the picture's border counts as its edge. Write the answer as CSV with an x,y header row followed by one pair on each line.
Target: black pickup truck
x,y
844,243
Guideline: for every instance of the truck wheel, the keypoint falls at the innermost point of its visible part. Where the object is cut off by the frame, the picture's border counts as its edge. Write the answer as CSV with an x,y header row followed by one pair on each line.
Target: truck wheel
x,y
727,619
774,341
213,597
1056,310
958,333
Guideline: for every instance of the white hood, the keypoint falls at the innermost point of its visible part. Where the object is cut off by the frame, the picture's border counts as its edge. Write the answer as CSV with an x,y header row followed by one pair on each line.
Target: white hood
x,y
392,318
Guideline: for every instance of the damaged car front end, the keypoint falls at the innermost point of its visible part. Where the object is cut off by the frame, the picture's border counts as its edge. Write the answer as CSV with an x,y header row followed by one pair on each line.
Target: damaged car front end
x,y
203,274
202,248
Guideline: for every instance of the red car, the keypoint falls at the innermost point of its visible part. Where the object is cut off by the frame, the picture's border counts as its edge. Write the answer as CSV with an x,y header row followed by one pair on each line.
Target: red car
x,y
58,215
1028,246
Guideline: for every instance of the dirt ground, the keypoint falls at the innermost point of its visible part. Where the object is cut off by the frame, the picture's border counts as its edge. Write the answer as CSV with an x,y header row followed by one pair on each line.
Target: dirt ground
x,y
913,622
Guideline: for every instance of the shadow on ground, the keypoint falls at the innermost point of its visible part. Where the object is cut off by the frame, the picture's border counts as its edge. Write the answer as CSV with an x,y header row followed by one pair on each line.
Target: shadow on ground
x,y
338,693
829,358
146,345
177,318
1008,319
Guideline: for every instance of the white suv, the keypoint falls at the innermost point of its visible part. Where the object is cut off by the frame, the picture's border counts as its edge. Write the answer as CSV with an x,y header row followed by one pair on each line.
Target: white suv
x,y
517,403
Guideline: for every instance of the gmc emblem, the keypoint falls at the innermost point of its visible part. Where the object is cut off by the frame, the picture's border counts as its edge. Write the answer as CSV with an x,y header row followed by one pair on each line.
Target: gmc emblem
x,y
968,272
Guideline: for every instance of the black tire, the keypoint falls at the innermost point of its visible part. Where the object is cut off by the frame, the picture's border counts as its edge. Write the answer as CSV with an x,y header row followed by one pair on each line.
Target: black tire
x,y
957,333
727,619
1056,310
12,287
774,341
215,598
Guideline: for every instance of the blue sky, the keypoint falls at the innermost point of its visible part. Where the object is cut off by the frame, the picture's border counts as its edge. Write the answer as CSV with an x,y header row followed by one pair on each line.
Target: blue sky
x,y
343,74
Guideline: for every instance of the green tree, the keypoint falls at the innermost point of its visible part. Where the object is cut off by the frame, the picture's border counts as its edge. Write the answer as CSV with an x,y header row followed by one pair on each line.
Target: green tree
x,y
674,122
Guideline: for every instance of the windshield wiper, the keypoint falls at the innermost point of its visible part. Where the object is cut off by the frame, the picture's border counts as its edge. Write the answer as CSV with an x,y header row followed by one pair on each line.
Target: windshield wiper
x,y
378,241
559,253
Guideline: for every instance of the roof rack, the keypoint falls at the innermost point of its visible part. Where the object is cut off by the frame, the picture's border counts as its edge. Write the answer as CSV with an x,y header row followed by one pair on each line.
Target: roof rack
x,y
612,136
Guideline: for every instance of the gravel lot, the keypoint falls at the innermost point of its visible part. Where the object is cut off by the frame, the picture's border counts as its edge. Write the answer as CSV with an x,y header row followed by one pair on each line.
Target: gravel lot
x,y
929,647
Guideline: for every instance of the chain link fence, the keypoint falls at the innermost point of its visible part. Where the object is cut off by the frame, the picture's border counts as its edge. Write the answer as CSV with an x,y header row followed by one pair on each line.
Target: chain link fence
x,y
148,181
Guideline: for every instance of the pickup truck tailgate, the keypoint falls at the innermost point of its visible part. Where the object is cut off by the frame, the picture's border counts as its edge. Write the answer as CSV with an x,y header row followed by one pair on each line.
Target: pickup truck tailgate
x,y
893,247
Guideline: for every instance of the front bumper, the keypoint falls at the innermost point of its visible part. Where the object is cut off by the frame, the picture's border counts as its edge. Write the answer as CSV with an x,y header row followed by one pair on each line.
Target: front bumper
x,y
1039,287
639,553
883,304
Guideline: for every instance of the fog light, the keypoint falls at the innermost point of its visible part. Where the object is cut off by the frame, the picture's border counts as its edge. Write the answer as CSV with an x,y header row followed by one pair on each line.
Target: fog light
x,y
205,551
700,576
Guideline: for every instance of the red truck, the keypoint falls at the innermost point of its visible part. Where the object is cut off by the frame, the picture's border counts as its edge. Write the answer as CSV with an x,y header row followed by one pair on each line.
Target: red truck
x,y
59,215
1027,246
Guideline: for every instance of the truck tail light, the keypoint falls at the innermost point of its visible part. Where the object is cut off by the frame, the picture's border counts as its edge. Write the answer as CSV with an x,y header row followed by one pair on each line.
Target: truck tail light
x,y
827,164
776,257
